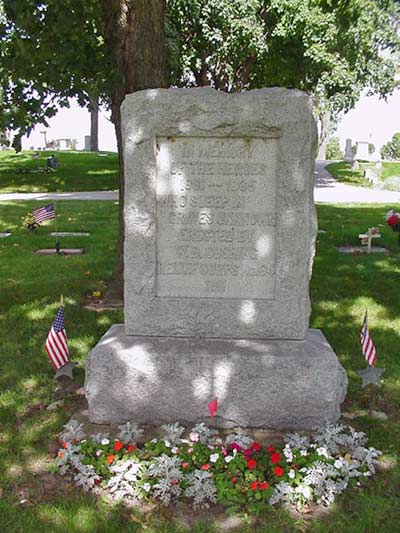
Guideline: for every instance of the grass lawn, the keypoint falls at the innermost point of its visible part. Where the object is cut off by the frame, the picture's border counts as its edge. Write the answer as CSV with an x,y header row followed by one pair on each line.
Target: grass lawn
x,y
344,173
79,171
32,498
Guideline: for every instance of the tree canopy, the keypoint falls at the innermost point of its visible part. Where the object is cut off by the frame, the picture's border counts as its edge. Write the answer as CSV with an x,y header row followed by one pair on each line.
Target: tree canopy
x,y
391,150
51,50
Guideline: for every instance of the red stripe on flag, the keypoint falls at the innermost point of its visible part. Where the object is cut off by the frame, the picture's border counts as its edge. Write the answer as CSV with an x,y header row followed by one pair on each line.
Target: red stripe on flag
x,y
53,354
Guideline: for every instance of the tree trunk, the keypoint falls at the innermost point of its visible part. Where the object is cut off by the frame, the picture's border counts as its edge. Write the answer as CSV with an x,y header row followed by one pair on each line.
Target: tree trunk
x,y
94,123
134,30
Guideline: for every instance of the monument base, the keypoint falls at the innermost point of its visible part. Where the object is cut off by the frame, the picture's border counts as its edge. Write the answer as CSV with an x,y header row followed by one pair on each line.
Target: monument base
x,y
259,383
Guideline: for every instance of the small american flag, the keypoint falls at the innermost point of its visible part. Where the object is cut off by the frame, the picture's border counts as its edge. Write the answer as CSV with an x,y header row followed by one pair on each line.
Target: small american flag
x,y
368,347
44,213
56,342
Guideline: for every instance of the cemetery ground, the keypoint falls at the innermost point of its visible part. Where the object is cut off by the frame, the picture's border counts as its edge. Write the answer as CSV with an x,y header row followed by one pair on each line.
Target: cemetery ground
x,y
33,497
78,171
344,173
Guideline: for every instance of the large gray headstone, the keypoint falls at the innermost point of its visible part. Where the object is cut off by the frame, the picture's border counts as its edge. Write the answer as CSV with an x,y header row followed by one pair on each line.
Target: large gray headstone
x,y
219,213
219,242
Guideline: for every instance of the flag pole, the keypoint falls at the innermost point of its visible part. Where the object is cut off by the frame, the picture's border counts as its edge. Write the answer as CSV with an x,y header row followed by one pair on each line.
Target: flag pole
x,y
56,230
62,300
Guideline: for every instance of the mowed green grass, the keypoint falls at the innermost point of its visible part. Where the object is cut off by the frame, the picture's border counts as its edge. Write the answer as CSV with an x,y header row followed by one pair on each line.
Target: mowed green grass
x,y
342,287
344,173
79,171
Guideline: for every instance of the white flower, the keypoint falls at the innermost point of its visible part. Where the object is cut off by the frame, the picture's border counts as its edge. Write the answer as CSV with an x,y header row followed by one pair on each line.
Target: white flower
x,y
287,452
105,442
194,437
338,463
228,458
174,449
153,441
304,490
234,452
167,443
303,453
367,474
214,457
322,452
292,473
146,487
190,450
99,452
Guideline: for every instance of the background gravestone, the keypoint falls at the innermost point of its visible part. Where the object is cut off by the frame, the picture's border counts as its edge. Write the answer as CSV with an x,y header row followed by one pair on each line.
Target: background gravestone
x,y
219,240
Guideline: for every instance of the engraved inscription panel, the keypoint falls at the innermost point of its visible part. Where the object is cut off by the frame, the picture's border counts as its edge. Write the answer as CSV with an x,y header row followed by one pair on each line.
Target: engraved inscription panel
x,y
215,221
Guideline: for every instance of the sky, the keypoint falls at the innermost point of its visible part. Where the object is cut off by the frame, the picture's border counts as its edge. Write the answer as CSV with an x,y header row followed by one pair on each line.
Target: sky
x,y
372,119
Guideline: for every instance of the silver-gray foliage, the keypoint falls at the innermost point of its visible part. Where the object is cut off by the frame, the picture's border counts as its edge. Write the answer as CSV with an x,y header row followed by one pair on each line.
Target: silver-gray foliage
x,y
73,431
206,434
126,475
172,432
130,432
201,488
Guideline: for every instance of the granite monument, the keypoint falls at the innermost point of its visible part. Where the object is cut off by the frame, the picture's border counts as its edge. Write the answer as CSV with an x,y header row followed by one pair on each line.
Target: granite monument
x,y
220,231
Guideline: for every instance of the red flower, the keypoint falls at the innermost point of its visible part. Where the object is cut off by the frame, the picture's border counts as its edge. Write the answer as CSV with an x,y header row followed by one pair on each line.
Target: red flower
x,y
256,446
174,482
254,485
278,471
234,479
64,444
264,485
251,464
248,452
205,467
185,464
60,454
118,446
235,446
270,449
110,458
275,458
131,448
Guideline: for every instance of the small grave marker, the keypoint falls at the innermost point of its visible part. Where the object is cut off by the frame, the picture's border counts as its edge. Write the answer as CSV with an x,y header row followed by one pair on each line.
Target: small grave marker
x,y
62,251
366,238
69,234
3,235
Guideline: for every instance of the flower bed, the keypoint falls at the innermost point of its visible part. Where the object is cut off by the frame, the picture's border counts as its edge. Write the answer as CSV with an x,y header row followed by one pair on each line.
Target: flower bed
x,y
203,469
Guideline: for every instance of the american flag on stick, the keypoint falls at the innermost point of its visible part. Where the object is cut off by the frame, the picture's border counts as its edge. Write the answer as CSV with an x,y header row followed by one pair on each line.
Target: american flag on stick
x,y
44,213
367,346
56,342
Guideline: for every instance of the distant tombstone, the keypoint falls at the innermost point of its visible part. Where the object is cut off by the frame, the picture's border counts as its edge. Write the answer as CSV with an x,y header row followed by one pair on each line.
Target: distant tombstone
x,y
371,176
87,143
362,153
52,162
355,165
348,154
220,232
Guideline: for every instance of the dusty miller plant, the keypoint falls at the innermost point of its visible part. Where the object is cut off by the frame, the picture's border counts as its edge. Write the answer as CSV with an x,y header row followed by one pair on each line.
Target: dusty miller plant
x,y
239,438
73,431
86,477
172,432
130,432
206,434
126,475
167,470
201,488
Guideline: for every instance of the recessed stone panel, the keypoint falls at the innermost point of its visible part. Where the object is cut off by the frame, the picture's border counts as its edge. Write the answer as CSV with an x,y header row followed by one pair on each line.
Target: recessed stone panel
x,y
219,213
215,222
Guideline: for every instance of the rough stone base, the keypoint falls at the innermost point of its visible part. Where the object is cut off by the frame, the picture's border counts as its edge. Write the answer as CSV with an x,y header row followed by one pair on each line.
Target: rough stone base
x,y
269,384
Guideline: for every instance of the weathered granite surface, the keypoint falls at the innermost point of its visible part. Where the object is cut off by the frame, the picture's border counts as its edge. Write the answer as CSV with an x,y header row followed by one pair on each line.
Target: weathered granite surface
x,y
270,384
219,214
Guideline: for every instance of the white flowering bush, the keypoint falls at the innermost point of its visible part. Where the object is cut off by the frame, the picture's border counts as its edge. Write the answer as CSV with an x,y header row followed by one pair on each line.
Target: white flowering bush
x,y
204,469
